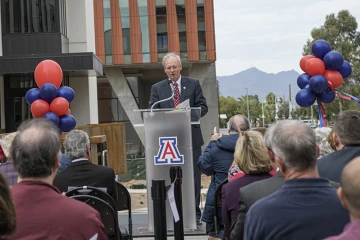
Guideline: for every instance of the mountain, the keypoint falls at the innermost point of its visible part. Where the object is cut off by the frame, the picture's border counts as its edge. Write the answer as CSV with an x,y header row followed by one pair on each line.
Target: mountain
x,y
259,83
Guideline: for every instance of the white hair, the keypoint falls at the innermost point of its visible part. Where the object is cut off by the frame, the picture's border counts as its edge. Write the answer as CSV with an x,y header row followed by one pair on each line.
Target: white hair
x,y
170,54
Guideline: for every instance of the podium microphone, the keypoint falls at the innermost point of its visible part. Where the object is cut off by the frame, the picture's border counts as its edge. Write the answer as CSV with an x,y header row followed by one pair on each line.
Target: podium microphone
x,y
166,99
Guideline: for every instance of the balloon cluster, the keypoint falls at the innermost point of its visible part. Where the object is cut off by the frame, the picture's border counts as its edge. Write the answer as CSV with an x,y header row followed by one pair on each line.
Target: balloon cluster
x,y
324,72
51,101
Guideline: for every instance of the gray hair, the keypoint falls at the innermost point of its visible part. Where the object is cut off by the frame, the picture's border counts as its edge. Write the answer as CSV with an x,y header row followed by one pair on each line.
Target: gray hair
x,y
321,139
36,148
6,142
295,143
268,136
75,144
238,121
347,127
170,54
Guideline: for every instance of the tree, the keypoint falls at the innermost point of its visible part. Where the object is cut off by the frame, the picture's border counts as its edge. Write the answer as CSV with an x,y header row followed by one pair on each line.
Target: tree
x,y
254,107
340,32
228,106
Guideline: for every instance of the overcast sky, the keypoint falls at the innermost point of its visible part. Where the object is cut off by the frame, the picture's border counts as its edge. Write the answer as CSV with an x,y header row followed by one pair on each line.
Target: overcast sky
x,y
269,34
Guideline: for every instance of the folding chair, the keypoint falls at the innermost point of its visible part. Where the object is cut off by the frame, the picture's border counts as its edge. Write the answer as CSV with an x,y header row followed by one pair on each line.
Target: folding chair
x,y
123,202
217,204
92,191
108,216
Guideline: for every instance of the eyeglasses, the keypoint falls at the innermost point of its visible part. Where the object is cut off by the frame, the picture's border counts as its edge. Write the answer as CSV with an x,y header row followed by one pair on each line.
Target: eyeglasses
x,y
172,68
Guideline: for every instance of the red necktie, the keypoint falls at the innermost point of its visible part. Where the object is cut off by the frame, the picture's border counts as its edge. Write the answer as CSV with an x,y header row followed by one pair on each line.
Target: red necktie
x,y
177,95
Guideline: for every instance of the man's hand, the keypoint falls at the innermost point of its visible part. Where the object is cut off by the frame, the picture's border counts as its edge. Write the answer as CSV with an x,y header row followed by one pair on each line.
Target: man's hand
x,y
215,136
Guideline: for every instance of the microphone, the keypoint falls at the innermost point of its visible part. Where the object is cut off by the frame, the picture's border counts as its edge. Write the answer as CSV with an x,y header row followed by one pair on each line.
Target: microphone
x,y
166,99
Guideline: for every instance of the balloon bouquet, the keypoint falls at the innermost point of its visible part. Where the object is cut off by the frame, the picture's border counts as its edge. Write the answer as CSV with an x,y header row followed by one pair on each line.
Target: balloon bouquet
x,y
324,73
51,101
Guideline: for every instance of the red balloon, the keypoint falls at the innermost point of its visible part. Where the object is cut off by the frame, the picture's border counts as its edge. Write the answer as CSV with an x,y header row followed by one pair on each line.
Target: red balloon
x,y
68,111
48,71
59,106
304,60
334,77
315,66
39,108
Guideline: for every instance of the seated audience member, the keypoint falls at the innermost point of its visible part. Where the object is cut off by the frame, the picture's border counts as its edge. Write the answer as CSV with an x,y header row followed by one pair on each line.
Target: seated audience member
x,y
349,195
7,210
215,161
81,171
261,130
64,162
347,142
42,212
252,159
322,134
7,168
306,206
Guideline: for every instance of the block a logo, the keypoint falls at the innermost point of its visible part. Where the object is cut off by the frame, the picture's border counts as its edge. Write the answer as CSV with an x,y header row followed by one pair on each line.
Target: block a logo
x,y
168,152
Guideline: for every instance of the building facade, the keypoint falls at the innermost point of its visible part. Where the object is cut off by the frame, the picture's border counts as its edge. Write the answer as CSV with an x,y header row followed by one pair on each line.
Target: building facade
x,y
110,52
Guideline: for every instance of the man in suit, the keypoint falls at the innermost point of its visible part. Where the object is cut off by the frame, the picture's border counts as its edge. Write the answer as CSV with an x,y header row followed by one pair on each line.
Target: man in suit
x,y
36,152
347,143
184,88
81,171
293,145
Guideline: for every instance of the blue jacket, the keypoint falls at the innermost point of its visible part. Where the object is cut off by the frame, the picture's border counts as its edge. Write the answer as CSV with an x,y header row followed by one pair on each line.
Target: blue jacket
x,y
216,161
64,162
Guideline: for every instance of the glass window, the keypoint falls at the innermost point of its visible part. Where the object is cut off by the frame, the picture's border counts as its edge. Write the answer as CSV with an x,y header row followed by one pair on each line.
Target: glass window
x,y
161,26
201,29
144,23
107,32
180,12
125,22
22,16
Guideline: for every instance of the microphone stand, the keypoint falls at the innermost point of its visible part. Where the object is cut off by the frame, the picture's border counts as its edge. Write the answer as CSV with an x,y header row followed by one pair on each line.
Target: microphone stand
x,y
166,99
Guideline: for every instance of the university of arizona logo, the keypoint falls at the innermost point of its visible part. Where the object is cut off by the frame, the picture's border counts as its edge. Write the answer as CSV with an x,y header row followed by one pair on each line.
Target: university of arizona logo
x,y
168,152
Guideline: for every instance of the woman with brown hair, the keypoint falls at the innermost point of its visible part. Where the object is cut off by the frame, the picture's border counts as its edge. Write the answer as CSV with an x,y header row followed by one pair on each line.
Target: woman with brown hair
x,y
252,158
7,210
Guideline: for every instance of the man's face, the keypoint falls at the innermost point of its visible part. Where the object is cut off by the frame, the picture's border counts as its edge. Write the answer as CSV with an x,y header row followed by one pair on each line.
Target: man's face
x,y
172,68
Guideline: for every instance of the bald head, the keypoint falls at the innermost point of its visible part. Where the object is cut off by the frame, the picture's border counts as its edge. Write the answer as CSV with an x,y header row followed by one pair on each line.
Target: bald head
x,y
350,183
36,148
238,121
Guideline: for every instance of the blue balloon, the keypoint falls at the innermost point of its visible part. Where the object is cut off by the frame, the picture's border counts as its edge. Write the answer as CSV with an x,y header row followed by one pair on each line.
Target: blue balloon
x,y
305,98
320,48
67,123
345,70
318,83
333,60
32,95
52,117
328,96
48,92
303,80
67,93
307,86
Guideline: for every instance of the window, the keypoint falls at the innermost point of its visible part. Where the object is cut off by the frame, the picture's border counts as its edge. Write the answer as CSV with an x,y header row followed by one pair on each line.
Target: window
x,y
144,23
201,29
125,22
27,16
161,26
107,32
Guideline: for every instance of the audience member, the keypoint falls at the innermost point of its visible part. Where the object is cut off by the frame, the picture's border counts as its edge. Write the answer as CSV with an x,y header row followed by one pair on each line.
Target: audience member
x,y
349,195
7,210
81,171
216,160
41,211
330,139
322,134
261,130
347,142
306,207
258,190
252,159
7,168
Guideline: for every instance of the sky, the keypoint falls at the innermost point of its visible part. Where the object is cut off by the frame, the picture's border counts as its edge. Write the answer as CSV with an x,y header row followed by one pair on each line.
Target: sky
x,y
269,34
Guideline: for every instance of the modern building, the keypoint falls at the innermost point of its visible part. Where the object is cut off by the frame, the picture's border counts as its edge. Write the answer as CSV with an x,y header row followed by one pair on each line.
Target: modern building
x,y
110,52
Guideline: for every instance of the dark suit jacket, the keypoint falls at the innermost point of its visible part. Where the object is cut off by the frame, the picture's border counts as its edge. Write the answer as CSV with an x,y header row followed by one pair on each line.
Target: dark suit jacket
x,y
190,89
331,166
85,173
252,193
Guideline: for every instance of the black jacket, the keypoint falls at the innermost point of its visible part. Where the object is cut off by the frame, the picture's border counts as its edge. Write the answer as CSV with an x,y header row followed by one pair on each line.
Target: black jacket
x,y
85,173
331,166
190,89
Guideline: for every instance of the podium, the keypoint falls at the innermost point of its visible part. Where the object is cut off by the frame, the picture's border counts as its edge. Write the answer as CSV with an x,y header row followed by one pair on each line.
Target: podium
x,y
168,143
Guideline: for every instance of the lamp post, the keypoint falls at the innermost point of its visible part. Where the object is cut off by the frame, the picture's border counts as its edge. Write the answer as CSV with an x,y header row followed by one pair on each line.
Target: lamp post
x,y
263,115
247,103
